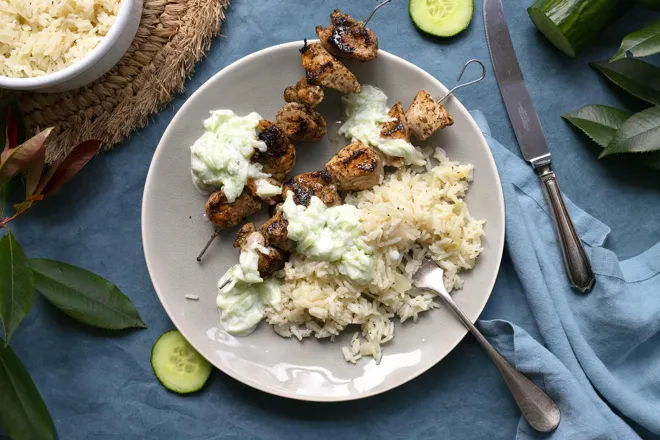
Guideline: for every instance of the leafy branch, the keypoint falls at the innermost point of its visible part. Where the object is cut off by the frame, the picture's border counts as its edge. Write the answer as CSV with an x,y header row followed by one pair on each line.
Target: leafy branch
x,y
618,131
82,295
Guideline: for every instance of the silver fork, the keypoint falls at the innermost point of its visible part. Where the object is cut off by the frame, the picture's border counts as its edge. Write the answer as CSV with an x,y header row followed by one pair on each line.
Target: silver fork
x,y
540,411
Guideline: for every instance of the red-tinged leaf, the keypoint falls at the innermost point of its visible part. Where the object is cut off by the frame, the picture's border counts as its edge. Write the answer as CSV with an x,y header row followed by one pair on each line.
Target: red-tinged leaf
x,y
34,171
20,157
48,175
71,165
23,206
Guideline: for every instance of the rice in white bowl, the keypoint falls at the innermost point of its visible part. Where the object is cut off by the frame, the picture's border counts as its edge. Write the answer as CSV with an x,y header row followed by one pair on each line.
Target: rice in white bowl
x,y
414,213
44,36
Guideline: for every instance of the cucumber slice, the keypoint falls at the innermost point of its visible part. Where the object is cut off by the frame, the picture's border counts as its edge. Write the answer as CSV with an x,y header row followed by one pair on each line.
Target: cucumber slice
x,y
442,18
177,365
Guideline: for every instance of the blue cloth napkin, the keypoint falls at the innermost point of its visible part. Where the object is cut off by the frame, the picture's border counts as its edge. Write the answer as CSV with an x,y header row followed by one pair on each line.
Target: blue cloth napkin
x,y
599,357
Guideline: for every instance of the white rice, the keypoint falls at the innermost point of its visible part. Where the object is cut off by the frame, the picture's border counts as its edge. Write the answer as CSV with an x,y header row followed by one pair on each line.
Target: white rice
x,y
43,36
414,213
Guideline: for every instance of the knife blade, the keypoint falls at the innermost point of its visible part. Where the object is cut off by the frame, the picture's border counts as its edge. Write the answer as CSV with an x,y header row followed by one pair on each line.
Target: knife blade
x,y
524,118
533,145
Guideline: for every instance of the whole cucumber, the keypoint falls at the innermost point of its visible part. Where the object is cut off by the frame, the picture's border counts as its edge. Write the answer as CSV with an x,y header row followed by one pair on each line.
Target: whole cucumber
x,y
571,25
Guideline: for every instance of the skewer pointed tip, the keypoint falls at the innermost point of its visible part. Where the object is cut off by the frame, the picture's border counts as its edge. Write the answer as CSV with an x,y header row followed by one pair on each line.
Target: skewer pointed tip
x,y
208,243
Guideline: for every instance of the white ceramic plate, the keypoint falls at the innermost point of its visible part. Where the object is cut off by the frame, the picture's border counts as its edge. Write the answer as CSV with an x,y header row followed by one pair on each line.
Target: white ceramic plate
x,y
174,230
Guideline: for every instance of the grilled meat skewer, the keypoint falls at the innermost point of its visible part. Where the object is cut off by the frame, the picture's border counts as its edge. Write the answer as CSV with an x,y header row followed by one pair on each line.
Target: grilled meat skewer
x,y
275,231
280,156
396,129
356,167
324,69
226,215
301,123
348,38
426,116
306,185
270,262
304,93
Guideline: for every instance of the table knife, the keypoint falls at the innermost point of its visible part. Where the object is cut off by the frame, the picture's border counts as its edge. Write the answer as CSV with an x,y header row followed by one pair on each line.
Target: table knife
x,y
532,142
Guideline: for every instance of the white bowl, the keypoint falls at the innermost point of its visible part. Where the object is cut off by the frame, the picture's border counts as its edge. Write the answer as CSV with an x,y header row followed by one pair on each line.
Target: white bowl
x,y
93,65
174,230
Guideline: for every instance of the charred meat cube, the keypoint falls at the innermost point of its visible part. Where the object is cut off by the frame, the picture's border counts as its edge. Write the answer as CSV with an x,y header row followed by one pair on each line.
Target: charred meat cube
x,y
275,231
226,215
242,234
304,93
252,187
398,128
347,38
323,69
280,156
270,261
356,167
305,185
425,116
301,123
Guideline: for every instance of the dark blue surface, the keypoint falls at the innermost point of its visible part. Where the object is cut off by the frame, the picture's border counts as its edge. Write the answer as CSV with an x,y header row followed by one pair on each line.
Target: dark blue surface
x,y
100,385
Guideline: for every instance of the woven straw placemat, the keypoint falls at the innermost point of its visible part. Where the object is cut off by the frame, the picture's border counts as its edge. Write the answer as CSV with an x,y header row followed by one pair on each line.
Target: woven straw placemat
x,y
173,36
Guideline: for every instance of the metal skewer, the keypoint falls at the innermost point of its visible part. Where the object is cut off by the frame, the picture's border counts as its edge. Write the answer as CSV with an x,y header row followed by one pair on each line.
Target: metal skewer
x,y
208,243
374,11
460,75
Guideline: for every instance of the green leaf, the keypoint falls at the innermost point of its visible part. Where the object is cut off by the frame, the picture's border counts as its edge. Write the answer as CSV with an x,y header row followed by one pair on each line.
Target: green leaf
x,y
651,4
23,413
639,134
599,122
84,296
16,285
641,43
637,77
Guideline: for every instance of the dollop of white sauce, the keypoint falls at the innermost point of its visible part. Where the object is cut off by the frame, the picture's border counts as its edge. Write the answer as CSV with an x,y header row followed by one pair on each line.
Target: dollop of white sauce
x,y
243,301
364,112
220,158
329,234
266,189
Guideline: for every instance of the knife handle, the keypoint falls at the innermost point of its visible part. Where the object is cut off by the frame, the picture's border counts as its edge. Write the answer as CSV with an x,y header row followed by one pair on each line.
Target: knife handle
x,y
578,267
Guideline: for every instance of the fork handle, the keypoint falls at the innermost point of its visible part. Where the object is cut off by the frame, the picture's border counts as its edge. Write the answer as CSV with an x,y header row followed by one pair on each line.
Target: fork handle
x,y
540,411
576,261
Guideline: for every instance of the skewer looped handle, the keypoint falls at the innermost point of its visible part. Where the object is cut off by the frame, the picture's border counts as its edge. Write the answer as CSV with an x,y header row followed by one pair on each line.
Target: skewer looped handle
x,y
460,75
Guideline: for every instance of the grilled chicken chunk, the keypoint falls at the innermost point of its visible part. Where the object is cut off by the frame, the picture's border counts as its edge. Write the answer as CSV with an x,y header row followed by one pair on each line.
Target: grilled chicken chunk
x,y
356,167
301,123
347,38
304,93
323,69
280,155
276,233
306,185
425,116
397,129
270,262
226,215
252,189
242,234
